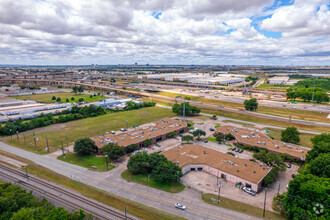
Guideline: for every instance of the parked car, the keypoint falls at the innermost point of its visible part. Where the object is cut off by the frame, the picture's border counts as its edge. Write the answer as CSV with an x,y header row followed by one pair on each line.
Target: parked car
x,y
249,191
233,149
240,151
180,206
289,165
237,150
123,129
205,141
211,129
113,132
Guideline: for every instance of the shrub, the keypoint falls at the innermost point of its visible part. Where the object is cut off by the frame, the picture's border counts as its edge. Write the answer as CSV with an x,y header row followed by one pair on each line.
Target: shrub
x,y
85,146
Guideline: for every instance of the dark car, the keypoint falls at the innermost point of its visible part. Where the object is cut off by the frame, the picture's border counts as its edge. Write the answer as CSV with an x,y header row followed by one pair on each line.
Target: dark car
x,y
211,129
240,151
293,175
205,141
289,165
237,150
233,149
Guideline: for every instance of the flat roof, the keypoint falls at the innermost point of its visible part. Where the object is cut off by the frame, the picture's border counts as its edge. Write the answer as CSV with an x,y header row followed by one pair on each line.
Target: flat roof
x,y
254,137
196,154
144,132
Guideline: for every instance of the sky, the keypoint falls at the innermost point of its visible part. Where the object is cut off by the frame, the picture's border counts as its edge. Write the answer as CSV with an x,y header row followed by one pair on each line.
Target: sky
x,y
185,32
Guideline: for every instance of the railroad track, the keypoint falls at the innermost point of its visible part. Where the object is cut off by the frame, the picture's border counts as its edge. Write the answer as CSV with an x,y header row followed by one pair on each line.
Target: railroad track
x,y
92,207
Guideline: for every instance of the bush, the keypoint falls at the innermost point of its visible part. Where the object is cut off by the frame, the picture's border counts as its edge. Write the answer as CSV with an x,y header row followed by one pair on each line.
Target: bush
x,y
67,100
113,151
85,146
230,153
172,134
58,99
147,142
131,148
53,98
72,98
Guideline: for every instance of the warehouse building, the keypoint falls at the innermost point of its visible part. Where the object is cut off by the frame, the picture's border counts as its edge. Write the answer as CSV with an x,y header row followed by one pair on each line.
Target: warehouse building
x,y
225,166
155,131
278,80
255,138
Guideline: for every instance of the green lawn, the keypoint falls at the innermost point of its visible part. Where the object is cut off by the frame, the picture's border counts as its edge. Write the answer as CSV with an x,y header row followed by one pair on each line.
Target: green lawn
x,y
211,139
305,139
89,127
87,161
240,207
217,125
143,179
47,98
240,123
273,87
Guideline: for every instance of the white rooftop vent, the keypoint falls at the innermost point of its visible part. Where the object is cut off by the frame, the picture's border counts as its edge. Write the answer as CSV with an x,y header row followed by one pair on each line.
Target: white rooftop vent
x,y
276,146
122,139
227,129
258,142
108,139
116,142
149,134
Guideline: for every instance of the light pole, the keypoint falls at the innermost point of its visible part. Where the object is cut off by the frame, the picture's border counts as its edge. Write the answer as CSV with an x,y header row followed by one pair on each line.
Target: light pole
x,y
220,185
126,124
106,161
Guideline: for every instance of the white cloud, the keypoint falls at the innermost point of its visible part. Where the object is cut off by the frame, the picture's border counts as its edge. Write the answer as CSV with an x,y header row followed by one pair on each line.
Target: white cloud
x,y
186,32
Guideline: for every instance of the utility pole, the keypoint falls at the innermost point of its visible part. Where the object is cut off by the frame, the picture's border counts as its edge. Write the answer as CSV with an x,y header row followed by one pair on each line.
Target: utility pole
x,y
106,161
17,136
11,135
26,173
126,124
184,108
24,139
47,142
290,118
279,186
62,149
125,212
219,185
35,142
265,204
313,92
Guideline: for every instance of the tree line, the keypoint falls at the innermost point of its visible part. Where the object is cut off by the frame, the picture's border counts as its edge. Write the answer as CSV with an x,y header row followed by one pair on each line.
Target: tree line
x,y
306,94
307,196
17,204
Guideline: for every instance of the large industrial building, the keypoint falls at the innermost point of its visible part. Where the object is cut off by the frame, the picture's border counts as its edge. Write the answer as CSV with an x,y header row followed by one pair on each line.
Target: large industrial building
x,y
155,131
225,166
200,78
255,138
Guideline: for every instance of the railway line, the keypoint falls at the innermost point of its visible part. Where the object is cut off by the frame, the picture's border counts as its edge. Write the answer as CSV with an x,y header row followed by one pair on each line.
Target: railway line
x,y
61,195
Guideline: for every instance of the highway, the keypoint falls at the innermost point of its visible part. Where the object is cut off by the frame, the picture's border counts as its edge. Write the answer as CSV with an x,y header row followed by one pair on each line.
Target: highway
x,y
112,182
144,94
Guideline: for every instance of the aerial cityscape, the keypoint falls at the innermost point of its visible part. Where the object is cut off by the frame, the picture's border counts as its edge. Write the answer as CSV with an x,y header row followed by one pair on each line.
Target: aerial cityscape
x,y
173,109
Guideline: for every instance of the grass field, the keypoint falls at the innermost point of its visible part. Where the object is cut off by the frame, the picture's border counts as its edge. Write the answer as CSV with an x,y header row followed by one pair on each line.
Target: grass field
x,y
250,118
273,87
137,209
282,112
47,98
211,139
240,123
241,207
305,139
143,179
71,131
87,161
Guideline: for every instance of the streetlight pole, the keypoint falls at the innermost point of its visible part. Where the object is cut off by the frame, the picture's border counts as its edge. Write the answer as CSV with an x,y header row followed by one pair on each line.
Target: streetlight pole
x,y
219,185
126,124
106,161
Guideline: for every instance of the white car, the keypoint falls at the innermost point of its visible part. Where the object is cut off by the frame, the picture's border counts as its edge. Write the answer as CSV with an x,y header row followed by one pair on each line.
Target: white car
x,y
180,206
249,191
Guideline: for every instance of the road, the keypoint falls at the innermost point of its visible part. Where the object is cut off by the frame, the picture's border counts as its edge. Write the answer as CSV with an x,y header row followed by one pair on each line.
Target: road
x,y
112,182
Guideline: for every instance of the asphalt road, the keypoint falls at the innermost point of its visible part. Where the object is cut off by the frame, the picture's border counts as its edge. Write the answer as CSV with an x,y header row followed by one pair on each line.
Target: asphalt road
x,y
112,182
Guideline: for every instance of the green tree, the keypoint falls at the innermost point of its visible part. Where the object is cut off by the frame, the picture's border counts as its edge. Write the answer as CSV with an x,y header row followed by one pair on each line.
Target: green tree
x,y
91,96
147,142
187,138
189,110
75,89
131,148
167,172
251,104
58,99
72,98
113,151
53,98
139,163
320,166
80,89
67,100
171,134
198,133
290,135
84,146
230,137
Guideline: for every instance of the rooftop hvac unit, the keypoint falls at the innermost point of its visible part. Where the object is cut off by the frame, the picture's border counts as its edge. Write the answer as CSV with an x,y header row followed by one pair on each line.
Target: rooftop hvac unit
x,y
116,142
276,146
156,129
122,139
142,132
254,171
149,134
263,143
227,129
252,133
108,139
258,142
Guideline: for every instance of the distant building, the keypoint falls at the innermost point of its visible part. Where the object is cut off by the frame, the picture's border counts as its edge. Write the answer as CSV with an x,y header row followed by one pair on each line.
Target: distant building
x,y
278,80
224,166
